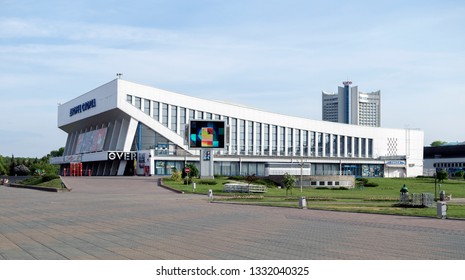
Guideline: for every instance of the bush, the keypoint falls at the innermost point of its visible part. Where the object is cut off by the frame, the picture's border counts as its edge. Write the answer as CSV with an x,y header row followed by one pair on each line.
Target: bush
x,y
236,178
459,173
194,171
176,176
363,181
187,180
207,182
371,185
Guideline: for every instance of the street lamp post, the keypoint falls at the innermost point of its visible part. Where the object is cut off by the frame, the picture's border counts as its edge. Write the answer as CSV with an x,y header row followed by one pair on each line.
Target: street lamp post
x,y
301,163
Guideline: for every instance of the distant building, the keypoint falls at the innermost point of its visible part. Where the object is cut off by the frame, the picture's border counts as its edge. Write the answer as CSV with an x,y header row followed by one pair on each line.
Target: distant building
x,y
351,106
449,157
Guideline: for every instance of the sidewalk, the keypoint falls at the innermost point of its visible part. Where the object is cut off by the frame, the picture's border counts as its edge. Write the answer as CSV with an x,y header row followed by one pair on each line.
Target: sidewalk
x,y
133,218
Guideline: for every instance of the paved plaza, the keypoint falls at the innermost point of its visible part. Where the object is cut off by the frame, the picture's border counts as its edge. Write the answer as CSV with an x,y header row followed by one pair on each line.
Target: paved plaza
x,y
133,218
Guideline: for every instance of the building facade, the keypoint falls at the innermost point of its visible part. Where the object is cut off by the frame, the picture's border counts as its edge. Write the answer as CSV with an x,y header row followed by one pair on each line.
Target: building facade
x,y
122,127
351,106
449,157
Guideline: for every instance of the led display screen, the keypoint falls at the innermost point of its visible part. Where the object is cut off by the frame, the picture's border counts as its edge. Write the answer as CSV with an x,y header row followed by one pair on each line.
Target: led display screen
x,y
206,134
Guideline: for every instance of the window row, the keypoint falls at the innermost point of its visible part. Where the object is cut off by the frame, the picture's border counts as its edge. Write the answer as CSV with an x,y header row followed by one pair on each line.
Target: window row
x,y
260,139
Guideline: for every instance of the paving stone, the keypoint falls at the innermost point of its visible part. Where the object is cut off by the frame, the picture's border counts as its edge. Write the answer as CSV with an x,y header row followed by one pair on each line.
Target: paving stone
x,y
134,218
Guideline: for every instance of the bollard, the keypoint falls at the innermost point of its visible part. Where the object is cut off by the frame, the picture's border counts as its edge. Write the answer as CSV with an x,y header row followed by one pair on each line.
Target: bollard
x,y
210,194
441,209
193,187
303,202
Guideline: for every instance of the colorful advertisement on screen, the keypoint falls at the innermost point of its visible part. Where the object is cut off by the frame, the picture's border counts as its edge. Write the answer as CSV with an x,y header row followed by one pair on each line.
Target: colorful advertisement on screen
x,y
206,134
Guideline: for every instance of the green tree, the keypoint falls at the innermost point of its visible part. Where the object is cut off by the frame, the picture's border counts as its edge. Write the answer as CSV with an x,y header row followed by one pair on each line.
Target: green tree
x,y
3,168
442,175
289,181
12,165
57,153
438,143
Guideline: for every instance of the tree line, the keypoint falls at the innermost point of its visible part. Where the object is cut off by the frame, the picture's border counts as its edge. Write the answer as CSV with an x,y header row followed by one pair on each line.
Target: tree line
x,y
21,166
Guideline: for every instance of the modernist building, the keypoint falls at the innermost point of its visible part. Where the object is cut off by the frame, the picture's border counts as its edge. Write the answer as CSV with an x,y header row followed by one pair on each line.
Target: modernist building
x,y
449,157
112,125
351,106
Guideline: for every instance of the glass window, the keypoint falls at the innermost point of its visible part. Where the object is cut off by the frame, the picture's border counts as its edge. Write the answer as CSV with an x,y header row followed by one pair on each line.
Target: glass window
x,y
289,142
266,138
305,143
370,148
250,134
174,117
182,121
138,103
327,145
147,106
356,147
258,138
312,143
320,144
208,116
129,98
274,140
282,141
164,114
297,142
334,152
242,137
364,146
341,145
156,111
349,146
234,136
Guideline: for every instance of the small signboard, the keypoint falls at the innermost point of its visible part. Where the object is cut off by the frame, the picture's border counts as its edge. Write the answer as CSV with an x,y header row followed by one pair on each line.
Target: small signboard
x,y
187,170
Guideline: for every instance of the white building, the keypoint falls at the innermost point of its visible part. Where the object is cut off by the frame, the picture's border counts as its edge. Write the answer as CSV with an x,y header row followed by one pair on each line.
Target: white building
x,y
107,125
449,157
351,106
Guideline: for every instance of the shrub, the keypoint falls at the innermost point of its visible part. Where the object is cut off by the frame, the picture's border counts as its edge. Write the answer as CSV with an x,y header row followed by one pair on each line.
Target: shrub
x,y
194,171
176,176
237,178
207,182
363,181
370,185
187,180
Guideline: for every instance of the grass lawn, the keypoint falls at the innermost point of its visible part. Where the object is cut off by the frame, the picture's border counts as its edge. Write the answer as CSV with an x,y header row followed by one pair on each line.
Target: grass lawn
x,y
381,199
38,181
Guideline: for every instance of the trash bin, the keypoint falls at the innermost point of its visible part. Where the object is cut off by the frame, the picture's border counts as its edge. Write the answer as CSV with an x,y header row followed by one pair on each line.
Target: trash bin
x,y
210,194
302,202
441,209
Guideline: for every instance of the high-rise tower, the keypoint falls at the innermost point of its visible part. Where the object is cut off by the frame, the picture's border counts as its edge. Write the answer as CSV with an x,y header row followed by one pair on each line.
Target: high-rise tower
x,y
351,106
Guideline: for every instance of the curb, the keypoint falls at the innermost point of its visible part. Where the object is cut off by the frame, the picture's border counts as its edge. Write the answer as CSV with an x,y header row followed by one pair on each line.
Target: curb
x,y
160,183
39,188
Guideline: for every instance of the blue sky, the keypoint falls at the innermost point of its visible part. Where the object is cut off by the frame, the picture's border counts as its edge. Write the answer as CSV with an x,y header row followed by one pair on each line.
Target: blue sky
x,y
273,55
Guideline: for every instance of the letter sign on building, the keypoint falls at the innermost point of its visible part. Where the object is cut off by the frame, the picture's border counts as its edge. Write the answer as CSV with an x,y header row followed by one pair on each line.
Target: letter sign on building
x,y
122,155
82,107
